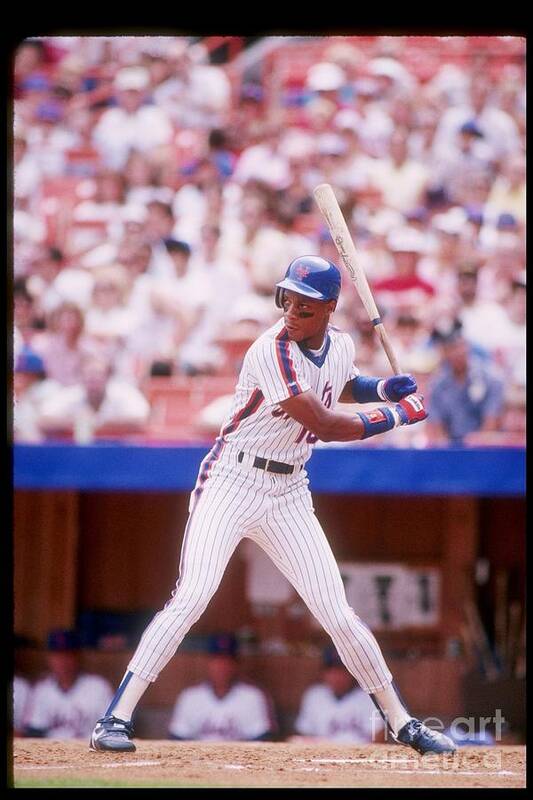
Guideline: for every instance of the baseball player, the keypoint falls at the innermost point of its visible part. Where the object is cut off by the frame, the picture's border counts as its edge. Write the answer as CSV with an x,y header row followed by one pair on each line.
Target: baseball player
x,y
62,705
335,708
253,483
224,707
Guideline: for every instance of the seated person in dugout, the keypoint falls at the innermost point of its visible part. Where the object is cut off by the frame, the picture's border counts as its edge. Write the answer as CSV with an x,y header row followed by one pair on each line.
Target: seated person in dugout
x,y
224,707
337,709
62,704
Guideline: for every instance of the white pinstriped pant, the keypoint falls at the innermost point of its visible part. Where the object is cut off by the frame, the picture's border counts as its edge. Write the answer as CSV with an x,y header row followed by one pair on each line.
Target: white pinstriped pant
x,y
275,511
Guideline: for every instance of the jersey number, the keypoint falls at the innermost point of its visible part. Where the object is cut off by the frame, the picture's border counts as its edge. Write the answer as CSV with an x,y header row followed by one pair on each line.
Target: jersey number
x,y
311,438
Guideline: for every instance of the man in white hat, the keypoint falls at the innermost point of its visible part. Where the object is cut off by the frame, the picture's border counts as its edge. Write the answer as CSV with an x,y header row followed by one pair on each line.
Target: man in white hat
x,y
130,125
405,289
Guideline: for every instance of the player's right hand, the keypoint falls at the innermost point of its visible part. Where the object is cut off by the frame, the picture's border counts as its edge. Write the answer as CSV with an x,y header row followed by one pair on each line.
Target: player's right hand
x,y
411,409
398,387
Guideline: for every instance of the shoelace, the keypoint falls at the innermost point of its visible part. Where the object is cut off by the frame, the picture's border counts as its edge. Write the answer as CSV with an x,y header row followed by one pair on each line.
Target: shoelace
x,y
117,727
419,728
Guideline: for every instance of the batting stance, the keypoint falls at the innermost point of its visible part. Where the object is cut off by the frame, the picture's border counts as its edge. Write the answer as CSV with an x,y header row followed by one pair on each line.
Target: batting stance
x,y
253,483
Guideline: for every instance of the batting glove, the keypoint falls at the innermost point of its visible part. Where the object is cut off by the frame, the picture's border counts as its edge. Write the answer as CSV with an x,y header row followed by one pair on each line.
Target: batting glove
x,y
396,388
411,409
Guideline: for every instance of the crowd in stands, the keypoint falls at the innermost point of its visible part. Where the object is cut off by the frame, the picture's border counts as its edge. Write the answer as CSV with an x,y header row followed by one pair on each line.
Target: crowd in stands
x,y
158,198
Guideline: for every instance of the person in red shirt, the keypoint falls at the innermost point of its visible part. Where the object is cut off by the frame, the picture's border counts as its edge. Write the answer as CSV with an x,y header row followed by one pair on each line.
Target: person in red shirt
x,y
405,288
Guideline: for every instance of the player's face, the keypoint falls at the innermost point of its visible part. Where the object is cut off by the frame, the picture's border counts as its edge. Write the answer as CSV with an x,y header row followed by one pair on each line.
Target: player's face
x,y
221,670
339,680
306,319
64,666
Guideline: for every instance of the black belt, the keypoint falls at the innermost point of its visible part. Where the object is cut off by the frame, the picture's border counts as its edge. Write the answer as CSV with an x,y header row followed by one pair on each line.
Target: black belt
x,y
269,465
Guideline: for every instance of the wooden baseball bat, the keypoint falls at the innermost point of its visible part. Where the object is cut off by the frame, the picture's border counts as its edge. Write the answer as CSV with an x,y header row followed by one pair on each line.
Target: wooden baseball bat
x,y
500,613
331,211
520,663
480,639
513,634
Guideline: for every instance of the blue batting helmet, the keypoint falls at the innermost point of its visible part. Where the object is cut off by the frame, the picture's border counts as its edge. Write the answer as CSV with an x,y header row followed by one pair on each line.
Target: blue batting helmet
x,y
312,276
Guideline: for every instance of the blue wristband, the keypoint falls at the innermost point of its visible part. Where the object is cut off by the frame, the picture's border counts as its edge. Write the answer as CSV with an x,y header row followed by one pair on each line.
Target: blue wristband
x,y
377,421
365,390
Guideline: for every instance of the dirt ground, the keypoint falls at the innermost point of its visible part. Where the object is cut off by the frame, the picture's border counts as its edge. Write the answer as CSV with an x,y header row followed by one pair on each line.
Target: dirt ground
x,y
40,763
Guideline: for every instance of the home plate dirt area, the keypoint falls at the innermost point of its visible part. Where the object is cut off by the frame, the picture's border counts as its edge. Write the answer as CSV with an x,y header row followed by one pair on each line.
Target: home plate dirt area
x,y
46,763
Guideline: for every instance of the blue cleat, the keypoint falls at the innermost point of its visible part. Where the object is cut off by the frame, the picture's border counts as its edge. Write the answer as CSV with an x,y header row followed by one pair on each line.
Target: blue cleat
x,y
113,735
424,740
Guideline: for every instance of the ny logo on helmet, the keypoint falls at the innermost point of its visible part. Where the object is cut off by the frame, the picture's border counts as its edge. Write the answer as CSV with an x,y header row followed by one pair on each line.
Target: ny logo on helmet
x,y
301,271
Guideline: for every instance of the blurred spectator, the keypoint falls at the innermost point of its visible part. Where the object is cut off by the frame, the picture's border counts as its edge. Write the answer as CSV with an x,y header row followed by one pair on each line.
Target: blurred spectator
x,y
30,60
29,232
43,269
439,264
26,319
376,124
142,181
465,395
393,78
350,59
254,241
158,229
402,179
246,120
197,93
119,251
508,192
220,152
356,163
64,345
220,284
49,137
405,289
169,93
26,172
510,352
64,704
484,322
225,707
336,709
208,98
130,125
326,80
191,201
506,258
411,344
494,124
97,403
371,358
109,319
72,283
466,171
105,207
166,310
265,160
371,217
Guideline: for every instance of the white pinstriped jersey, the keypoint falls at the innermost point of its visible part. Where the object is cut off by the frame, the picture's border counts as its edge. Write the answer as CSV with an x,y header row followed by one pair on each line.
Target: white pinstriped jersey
x,y
274,369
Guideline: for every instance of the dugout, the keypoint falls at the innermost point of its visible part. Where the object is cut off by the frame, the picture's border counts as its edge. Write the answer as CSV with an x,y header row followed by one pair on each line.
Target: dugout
x,y
97,534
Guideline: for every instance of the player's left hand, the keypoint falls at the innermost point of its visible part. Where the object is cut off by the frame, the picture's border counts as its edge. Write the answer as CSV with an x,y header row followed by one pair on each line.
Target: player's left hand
x,y
398,387
411,409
